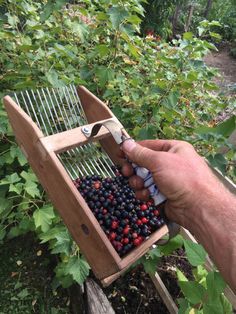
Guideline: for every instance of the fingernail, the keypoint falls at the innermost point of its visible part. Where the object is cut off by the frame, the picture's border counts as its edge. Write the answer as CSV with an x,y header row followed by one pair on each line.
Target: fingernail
x,y
128,145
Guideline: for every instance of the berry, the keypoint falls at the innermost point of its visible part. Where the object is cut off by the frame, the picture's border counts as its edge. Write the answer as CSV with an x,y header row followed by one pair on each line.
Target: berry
x,y
143,207
112,236
136,242
144,220
126,221
125,240
114,224
97,185
126,230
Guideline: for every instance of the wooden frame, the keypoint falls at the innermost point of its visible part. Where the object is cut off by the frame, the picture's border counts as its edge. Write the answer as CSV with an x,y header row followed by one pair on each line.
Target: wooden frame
x,y
41,152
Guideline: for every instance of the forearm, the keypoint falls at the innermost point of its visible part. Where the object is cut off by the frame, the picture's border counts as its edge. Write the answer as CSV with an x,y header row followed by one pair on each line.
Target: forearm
x,y
213,222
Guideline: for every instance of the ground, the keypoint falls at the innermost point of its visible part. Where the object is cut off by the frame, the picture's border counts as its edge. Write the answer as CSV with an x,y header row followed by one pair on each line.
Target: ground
x,y
226,65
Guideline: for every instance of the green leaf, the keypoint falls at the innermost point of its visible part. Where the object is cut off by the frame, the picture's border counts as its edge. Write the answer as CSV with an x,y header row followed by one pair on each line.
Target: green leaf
x,y
215,285
218,161
47,11
78,268
172,99
184,306
117,16
227,306
29,176
102,50
43,217
32,188
180,275
188,36
23,294
149,132
155,253
5,204
14,232
173,244
195,253
201,30
10,179
215,35
150,265
17,188
53,79
193,291
213,306
62,244
200,273
104,75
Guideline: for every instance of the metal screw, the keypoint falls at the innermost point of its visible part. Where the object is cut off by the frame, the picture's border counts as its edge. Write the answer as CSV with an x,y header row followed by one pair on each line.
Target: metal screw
x,y
86,130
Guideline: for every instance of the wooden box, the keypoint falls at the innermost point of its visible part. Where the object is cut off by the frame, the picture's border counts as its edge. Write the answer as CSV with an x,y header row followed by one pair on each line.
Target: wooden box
x,y
43,151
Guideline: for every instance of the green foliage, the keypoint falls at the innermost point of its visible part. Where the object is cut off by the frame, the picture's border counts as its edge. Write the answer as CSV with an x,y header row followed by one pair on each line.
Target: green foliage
x,y
156,90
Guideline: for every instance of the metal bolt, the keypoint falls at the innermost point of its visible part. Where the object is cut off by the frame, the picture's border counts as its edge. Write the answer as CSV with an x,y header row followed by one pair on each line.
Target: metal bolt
x,y
86,130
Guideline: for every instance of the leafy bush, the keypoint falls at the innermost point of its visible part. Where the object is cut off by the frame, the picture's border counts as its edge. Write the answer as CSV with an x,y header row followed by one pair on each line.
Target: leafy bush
x,y
157,90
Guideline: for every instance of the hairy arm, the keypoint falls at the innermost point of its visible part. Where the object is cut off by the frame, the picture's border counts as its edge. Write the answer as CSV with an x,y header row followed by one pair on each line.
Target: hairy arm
x,y
196,199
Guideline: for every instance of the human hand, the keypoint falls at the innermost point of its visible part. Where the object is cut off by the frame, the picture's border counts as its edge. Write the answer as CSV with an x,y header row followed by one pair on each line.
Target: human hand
x,y
179,172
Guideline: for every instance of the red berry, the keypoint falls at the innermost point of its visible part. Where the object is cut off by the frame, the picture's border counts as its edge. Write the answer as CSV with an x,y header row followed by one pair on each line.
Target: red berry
x,y
97,185
143,207
156,212
144,220
139,222
140,238
114,224
111,197
112,236
125,240
118,246
126,230
104,211
134,235
136,242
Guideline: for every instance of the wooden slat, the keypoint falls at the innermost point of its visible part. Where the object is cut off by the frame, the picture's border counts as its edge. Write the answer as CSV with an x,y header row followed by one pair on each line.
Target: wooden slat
x,y
63,141
164,293
142,249
126,262
90,104
70,204
97,302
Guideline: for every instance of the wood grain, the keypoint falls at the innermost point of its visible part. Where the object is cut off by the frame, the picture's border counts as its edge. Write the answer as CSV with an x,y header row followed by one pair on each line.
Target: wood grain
x,y
70,204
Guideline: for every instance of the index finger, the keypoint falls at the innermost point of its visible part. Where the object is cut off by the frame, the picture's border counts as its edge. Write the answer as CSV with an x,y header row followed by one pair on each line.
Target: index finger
x,y
159,145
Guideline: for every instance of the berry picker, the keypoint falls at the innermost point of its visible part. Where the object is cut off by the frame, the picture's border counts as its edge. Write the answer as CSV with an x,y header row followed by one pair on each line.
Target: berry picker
x,y
71,140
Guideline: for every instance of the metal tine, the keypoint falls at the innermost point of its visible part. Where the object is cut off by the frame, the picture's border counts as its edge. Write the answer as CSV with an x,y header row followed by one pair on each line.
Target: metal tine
x,y
70,153
64,164
80,107
72,87
80,148
66,121
50,110
74,113
45,111
39,109
76,117
54,109
32,108
68,165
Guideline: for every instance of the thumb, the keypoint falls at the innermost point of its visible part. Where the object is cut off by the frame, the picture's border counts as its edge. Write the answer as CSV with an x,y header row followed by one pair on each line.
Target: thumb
x,y
140,155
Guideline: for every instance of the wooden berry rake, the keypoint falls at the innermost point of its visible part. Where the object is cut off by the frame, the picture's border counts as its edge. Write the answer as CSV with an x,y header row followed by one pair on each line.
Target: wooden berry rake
x,y
49,126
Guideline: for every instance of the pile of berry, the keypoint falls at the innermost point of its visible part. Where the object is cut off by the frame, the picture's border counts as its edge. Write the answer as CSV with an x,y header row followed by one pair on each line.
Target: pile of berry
x,y
126,221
